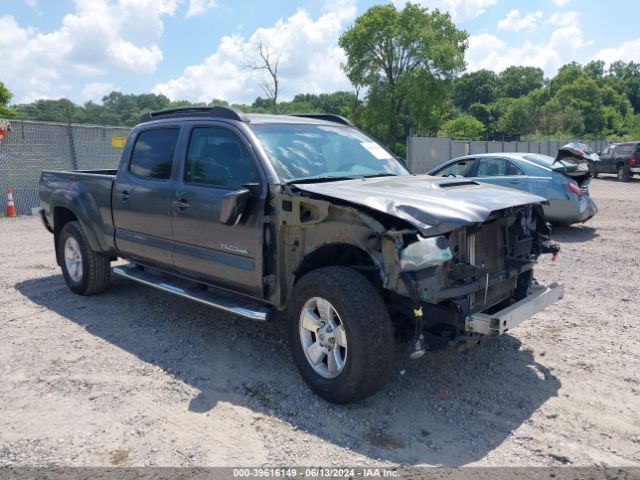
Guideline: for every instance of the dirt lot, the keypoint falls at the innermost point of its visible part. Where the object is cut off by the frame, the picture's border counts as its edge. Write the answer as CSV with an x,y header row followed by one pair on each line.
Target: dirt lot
x,y
137,377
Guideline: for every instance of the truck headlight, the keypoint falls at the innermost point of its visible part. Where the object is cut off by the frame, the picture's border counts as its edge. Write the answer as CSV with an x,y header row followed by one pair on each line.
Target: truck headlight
x,y
425,253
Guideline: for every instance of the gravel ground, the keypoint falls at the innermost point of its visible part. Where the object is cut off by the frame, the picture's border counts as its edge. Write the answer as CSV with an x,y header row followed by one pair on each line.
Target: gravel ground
x,y
137,377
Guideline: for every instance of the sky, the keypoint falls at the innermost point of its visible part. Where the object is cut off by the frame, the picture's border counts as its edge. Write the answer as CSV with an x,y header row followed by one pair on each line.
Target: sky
x,y
200,49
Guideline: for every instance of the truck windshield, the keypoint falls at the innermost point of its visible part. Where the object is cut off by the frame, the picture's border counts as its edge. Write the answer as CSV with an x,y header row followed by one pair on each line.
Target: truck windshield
x,y
303,151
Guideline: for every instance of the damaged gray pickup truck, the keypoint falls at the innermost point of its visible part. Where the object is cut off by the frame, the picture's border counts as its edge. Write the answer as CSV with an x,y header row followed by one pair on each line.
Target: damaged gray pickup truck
x,y
305,215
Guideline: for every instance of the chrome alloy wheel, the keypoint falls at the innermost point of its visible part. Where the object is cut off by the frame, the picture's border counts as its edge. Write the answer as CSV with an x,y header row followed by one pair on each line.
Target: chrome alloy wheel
x,y
73,259
323,337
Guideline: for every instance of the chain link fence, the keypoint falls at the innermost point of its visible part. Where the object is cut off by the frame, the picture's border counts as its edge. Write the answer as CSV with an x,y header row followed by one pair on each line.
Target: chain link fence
x,y
31,147
425,153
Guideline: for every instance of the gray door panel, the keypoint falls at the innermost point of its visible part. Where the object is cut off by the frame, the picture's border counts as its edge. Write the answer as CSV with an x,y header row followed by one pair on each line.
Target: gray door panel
x,y
141,203
204,248
607,160
214,252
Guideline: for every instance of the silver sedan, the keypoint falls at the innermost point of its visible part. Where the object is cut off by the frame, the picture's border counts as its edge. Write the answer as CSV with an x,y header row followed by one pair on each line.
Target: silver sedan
x,y
563,181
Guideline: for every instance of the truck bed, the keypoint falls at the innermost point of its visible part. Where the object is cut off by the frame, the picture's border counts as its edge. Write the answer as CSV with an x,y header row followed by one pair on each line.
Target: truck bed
x,y
88,194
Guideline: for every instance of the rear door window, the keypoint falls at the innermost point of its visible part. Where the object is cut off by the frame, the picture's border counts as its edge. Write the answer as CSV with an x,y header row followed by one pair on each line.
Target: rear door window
x,y
624,149
497,167
153,152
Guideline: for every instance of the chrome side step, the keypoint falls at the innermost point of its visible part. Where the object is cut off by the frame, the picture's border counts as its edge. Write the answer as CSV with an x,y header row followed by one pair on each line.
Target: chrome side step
x,y
206,297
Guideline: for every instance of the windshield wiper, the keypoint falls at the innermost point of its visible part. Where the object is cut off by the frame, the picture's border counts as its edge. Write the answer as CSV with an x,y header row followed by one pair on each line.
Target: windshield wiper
x,y
380,175
326,178
323,178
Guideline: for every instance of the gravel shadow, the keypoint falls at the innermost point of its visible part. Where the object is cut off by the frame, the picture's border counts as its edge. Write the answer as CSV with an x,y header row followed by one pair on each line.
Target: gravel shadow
x,y
445,409
573,233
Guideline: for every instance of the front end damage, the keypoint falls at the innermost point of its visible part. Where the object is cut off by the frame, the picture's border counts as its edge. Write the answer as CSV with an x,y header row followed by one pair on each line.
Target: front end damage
x,y
483,283
466,279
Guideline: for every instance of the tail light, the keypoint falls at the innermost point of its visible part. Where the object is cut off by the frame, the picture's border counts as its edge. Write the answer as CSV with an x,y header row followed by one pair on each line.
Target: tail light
x,y
573,187
633,160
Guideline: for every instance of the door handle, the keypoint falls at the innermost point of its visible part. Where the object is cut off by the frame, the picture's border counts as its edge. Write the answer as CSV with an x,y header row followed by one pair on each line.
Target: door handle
x,y
181,204
515,182
124,195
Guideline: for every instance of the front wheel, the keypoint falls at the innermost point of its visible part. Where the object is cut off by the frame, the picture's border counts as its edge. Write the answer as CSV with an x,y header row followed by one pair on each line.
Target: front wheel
x,y
593,169
340,334
86,272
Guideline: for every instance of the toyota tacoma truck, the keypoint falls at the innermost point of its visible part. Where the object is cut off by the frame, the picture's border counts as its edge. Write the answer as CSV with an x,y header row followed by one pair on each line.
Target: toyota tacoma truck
x,y
306,216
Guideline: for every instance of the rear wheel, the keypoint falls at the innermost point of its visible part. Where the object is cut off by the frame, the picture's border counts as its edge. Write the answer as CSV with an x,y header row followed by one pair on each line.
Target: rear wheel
x,y
340,334
623,174
86,272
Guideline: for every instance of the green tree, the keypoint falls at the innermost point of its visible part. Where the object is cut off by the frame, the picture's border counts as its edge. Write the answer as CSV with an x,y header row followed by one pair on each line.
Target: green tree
x,y
218,102
566,74
475,87
594,69
560,120
626,78
389,50
482,113
584,95
518,81
184,103
633,127
61,110
5,97
129,108
464,127
519,118
423,113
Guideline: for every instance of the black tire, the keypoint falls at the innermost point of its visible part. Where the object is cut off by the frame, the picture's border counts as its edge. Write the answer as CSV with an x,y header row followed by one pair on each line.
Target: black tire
x,y
368,327
593,169
623,174
96,267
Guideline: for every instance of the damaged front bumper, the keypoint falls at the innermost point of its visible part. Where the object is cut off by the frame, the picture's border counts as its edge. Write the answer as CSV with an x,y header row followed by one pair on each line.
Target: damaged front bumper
x,y
539,297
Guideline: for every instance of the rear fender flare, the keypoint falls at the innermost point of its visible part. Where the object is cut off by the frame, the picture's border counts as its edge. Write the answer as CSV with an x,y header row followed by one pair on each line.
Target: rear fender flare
x,y
84,207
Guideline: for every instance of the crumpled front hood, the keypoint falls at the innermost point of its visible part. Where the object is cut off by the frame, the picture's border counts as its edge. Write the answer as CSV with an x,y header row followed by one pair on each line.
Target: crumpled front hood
x,y
433,205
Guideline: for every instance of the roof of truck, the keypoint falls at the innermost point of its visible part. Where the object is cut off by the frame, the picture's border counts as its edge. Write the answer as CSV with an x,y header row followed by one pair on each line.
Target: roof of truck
x,y
230,113
259,118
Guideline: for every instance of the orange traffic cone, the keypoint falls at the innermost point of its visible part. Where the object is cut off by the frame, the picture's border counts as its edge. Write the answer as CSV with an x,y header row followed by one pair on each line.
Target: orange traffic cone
x,y
11,206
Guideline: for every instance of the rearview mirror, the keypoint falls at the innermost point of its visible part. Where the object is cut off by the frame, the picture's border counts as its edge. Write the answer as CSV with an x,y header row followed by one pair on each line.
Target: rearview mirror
x,y
233,205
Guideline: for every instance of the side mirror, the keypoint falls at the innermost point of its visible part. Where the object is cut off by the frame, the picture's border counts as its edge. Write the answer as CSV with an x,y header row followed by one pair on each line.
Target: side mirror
x,y
233,205
255,188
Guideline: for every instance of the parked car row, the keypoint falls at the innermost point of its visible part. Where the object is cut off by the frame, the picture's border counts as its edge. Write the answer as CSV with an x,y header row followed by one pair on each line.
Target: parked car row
x,y
563,180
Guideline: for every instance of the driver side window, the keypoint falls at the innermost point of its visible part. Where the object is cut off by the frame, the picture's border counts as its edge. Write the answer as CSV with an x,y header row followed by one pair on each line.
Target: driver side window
x,y
217,157
461,167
